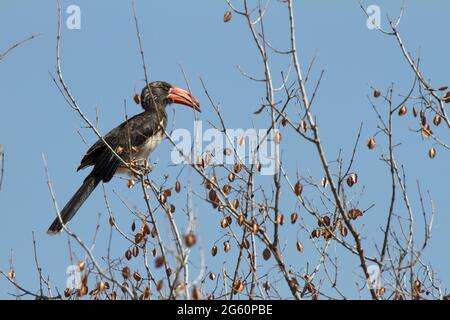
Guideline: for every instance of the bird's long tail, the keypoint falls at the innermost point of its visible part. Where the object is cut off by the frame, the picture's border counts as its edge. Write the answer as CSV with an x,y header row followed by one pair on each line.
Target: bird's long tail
x,y
74,203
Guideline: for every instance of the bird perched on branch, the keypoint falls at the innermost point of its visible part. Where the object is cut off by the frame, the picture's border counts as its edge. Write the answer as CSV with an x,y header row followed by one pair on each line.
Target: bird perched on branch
x,y
132,142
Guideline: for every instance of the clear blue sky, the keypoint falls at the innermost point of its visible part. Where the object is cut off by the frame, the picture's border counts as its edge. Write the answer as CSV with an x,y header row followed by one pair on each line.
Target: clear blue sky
x,y
101,64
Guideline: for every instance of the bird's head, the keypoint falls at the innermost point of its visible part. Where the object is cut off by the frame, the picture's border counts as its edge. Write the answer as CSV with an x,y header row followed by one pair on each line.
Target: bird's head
x,y
158,94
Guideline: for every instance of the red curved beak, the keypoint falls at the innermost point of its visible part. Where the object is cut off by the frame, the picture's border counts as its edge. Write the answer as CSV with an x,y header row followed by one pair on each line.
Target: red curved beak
x,y
181,96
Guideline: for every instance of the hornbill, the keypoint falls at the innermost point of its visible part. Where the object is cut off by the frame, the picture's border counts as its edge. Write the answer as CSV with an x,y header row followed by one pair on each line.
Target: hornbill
x,y
133,141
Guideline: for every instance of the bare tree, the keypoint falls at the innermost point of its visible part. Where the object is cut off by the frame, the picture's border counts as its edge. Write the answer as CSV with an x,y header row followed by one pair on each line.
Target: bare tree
x,y
253,215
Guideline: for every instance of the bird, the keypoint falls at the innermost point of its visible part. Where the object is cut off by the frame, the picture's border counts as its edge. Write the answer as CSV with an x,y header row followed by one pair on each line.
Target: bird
x,y
133,140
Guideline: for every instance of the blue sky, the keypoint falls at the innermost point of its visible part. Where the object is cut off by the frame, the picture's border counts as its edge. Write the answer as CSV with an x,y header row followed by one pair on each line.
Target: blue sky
x,y
102,65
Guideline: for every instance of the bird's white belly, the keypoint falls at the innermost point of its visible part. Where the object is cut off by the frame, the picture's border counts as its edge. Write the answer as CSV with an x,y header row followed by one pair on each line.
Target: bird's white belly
x,y
142,153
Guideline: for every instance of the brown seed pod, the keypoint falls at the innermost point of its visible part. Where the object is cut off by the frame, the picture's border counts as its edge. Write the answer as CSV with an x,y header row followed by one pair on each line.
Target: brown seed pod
x,y
227,16
133,226
245,243
147,293
154,232
352,179
354,213
376,93
212,276
167,193
212,196
190,239
226,246
371,143
177,186
138,238
231,176
437,120
137,99
112,221
126,272
159,262
130,183
432,153
238,286
294,217
81,266
343,231
280,219
67,292
403,110
172,208
241,219
226,189
284,122
415,112
303,125
443,88
154,252
267,254
277,137
128,254
298,188
135,251
258,166
137,276
214,251
255,228
196,293
237,168
324,182
159,285
315,233
236,204
225,222
299,246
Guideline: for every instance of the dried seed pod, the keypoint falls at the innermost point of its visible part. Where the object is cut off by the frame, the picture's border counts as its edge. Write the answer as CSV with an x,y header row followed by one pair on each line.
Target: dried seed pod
x,y
299,246
67,292
315,233
303,125
226,189
212,276
138,238
196,293
352,179
177,186
231,176
126,272
81,265
112,221
432,153
212,196
130,183
241,219
225,222
147,293
237,168
267,254
284,122
154,252
354,213
226,246
326,234
415,112
343,231
280,219
324,182
376,93
403,110
245,243
437,120
227,16
135,251
238,286
159,285
277,137
167,193
154,232
443,88
137,99
128,254
371,143
294,217
258,166
190,239
236,204
214,251
172,208
298,188
137,276
159,262
255,228
133,226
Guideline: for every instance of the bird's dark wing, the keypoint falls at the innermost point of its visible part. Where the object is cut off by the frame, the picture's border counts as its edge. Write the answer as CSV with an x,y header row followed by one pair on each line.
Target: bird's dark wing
x,y
130,134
